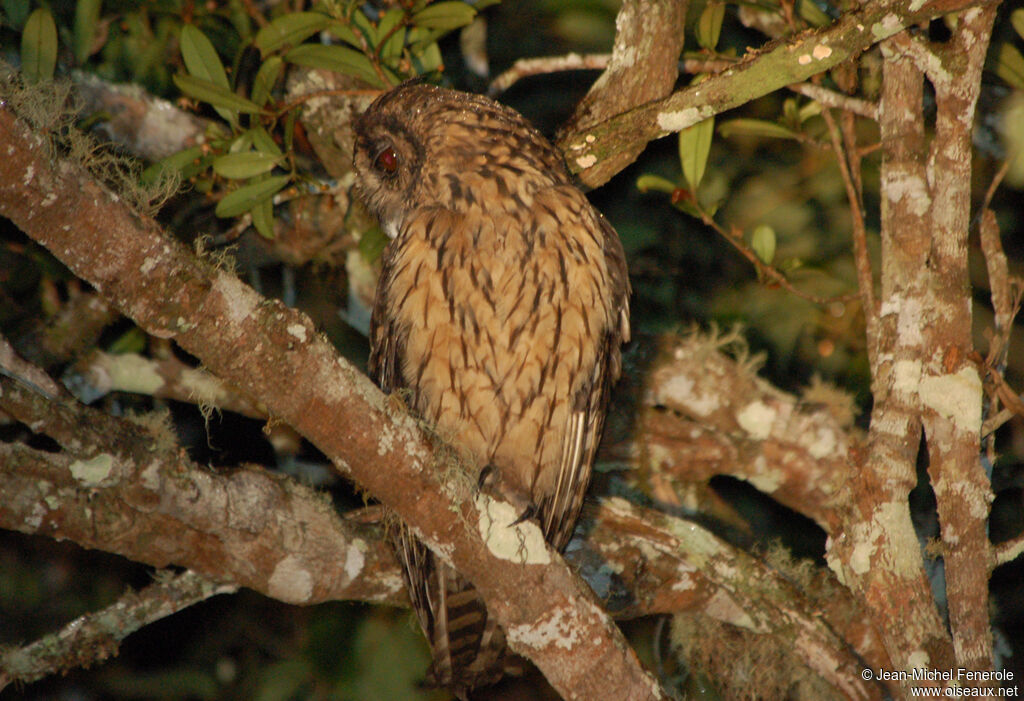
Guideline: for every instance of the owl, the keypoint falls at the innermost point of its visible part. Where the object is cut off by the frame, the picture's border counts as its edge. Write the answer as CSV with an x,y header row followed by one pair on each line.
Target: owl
x,y
501,307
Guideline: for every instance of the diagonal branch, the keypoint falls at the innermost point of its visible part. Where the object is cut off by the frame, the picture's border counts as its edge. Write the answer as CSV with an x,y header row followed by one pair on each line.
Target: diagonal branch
x,y
239,526
771,68
274,354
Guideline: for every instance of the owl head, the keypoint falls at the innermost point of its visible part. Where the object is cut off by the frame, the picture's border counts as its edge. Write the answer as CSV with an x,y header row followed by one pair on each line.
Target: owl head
x,y
421,146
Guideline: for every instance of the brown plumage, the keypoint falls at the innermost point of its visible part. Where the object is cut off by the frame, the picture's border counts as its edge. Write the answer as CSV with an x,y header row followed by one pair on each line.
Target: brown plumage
x,y
501,306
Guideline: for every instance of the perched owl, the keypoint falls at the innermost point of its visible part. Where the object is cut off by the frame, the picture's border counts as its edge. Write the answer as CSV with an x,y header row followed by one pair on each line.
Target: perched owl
x,y
501,308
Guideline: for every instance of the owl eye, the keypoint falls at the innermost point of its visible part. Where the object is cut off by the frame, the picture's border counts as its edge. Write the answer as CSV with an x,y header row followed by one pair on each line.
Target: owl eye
x,y
387,161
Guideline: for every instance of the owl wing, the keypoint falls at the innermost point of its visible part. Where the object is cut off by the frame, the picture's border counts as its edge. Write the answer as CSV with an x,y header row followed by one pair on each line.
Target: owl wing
x,y
559,510
467,645
387,341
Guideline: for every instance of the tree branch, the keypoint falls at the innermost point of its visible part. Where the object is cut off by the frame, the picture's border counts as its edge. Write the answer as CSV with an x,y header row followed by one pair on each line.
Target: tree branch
x,y
94,637
591,148
240,526
643,67
549,616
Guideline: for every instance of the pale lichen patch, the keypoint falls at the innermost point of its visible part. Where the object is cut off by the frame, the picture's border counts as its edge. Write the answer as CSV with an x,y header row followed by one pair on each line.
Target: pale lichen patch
x,y
523,542
892,522
906,375
587,161
724,608
150,476
290,582
756,419
910,322
355,558
918,660
860,558
912,188
956,397
555,629
298,331
680,389
92,472
767,481
886,27
128,372
975,497
34,519
820,443
385,440
680,119
240,300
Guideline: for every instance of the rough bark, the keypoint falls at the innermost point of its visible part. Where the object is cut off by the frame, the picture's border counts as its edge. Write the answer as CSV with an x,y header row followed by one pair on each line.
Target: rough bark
x,y
550,617
758,73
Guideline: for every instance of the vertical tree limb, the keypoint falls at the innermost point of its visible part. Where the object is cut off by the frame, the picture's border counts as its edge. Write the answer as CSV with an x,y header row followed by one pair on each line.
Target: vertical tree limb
x,y
951,389
878,555
643,67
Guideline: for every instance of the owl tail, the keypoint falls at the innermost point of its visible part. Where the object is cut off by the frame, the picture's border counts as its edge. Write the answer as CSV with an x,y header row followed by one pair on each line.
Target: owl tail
x,y
468,645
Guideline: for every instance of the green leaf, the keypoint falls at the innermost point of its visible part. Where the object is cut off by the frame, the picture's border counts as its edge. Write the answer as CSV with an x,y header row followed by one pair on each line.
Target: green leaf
x,y
214,94
427,59
359,22
389,23
87,15
266,77
238,166
1017,20
372,244
263,218
290,30
648,182
444,15
203,64
39,47
812,14
342,31
16,12
790,112
134,340
709,26
242,143
245,198
339,59
201,58
1010,65
262,140
755,127
176,161
694,147
763,243
811,109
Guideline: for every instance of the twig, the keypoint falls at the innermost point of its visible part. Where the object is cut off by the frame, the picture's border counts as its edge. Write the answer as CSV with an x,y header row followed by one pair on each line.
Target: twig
x,y
1008,550
292,104
837,100
525,67
865,279
770,271
96,636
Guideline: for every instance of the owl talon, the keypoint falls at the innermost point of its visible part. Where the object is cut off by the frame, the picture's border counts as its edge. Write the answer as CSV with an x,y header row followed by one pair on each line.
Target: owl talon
x,y
485,477
529,513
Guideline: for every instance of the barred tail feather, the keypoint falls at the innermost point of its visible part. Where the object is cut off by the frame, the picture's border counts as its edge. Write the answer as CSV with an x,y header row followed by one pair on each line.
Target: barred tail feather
x,y
467,645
